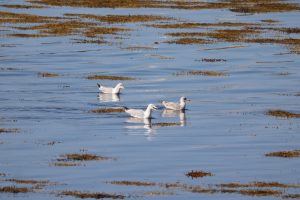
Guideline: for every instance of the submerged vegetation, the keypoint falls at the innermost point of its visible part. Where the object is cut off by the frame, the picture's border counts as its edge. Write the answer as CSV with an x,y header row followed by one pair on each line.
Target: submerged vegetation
x,y
107,110
14,189
104,77
285,154
81,157
8,130
47,74
249,6
283,113
200,73
95,195
198,174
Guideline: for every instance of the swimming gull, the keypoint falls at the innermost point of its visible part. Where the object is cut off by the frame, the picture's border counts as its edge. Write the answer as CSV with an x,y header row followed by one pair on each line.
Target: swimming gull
x,y
176,106
111,90
138,113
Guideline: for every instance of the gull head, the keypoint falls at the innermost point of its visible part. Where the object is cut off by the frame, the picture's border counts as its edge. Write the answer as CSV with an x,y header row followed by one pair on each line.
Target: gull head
x,y
184,99
120,85
152,107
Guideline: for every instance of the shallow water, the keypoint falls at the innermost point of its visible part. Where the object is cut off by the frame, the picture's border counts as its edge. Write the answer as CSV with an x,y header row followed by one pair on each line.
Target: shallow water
x,y
225,129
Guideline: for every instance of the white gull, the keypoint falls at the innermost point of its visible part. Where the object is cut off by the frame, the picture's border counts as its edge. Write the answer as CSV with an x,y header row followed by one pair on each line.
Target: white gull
x,y
138,113
111,90
176,106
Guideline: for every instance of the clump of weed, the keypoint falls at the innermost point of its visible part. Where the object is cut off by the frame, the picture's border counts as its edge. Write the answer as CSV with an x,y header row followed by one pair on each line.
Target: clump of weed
x,y
188,41
96,195
212,60
133,183
9,17
291,196
121,18
107,110
256,192
15,6
82,157
263,7
200,73
8,130
158,193
14,189
96,31
198,174
197,25
65,164
269,21
47,74
166,124
285,154
31,182
103,77
283,113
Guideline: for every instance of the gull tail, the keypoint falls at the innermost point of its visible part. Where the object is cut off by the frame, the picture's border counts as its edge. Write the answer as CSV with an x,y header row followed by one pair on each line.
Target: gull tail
x,y
98,85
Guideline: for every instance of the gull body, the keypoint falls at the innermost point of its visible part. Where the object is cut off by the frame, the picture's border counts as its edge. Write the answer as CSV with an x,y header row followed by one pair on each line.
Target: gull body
x,y
139,113
111,90
176,106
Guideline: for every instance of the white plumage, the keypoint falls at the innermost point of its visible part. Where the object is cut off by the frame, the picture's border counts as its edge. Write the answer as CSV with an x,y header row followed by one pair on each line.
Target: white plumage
x,y
176,106
111,90
138,113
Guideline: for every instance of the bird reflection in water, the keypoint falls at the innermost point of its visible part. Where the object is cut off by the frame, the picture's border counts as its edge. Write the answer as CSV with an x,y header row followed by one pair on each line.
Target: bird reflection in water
x,y
141,124
109,97
175,113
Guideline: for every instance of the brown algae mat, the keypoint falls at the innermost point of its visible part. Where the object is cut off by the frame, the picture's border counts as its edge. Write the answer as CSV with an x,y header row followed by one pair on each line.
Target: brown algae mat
x,y
133,183
283,113
200,73
8,130
198,174
96,195
284,154
14,189
212,60
249,6
82,157
103,77
166,124
121,18
107,110
47,74
249,189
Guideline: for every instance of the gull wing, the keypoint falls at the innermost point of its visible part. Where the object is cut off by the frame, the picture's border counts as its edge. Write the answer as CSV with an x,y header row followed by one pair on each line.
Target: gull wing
x,y
106,89
135,113
171,105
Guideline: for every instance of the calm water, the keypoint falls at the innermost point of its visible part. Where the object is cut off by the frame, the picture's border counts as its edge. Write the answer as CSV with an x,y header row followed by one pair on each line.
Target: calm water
x,y
225,130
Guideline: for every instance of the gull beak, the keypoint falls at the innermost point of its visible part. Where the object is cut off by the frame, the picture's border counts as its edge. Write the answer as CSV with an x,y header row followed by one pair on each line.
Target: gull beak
x,y
122,87
187,100
155,108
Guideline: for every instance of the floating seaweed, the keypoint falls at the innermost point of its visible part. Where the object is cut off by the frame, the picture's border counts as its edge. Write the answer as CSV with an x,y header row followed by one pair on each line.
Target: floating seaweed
x,y
133,183
82,157
285,154
283,113
96,195
8,130
104,77
107,110
14,189
47,74
198,174
200,73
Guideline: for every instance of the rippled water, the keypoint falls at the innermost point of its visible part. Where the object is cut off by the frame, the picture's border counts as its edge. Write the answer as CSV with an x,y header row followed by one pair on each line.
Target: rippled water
x,y
225,129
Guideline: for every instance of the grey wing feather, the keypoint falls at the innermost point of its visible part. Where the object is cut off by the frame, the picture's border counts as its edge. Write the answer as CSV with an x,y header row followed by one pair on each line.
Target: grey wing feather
x,y
172,105
135,113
